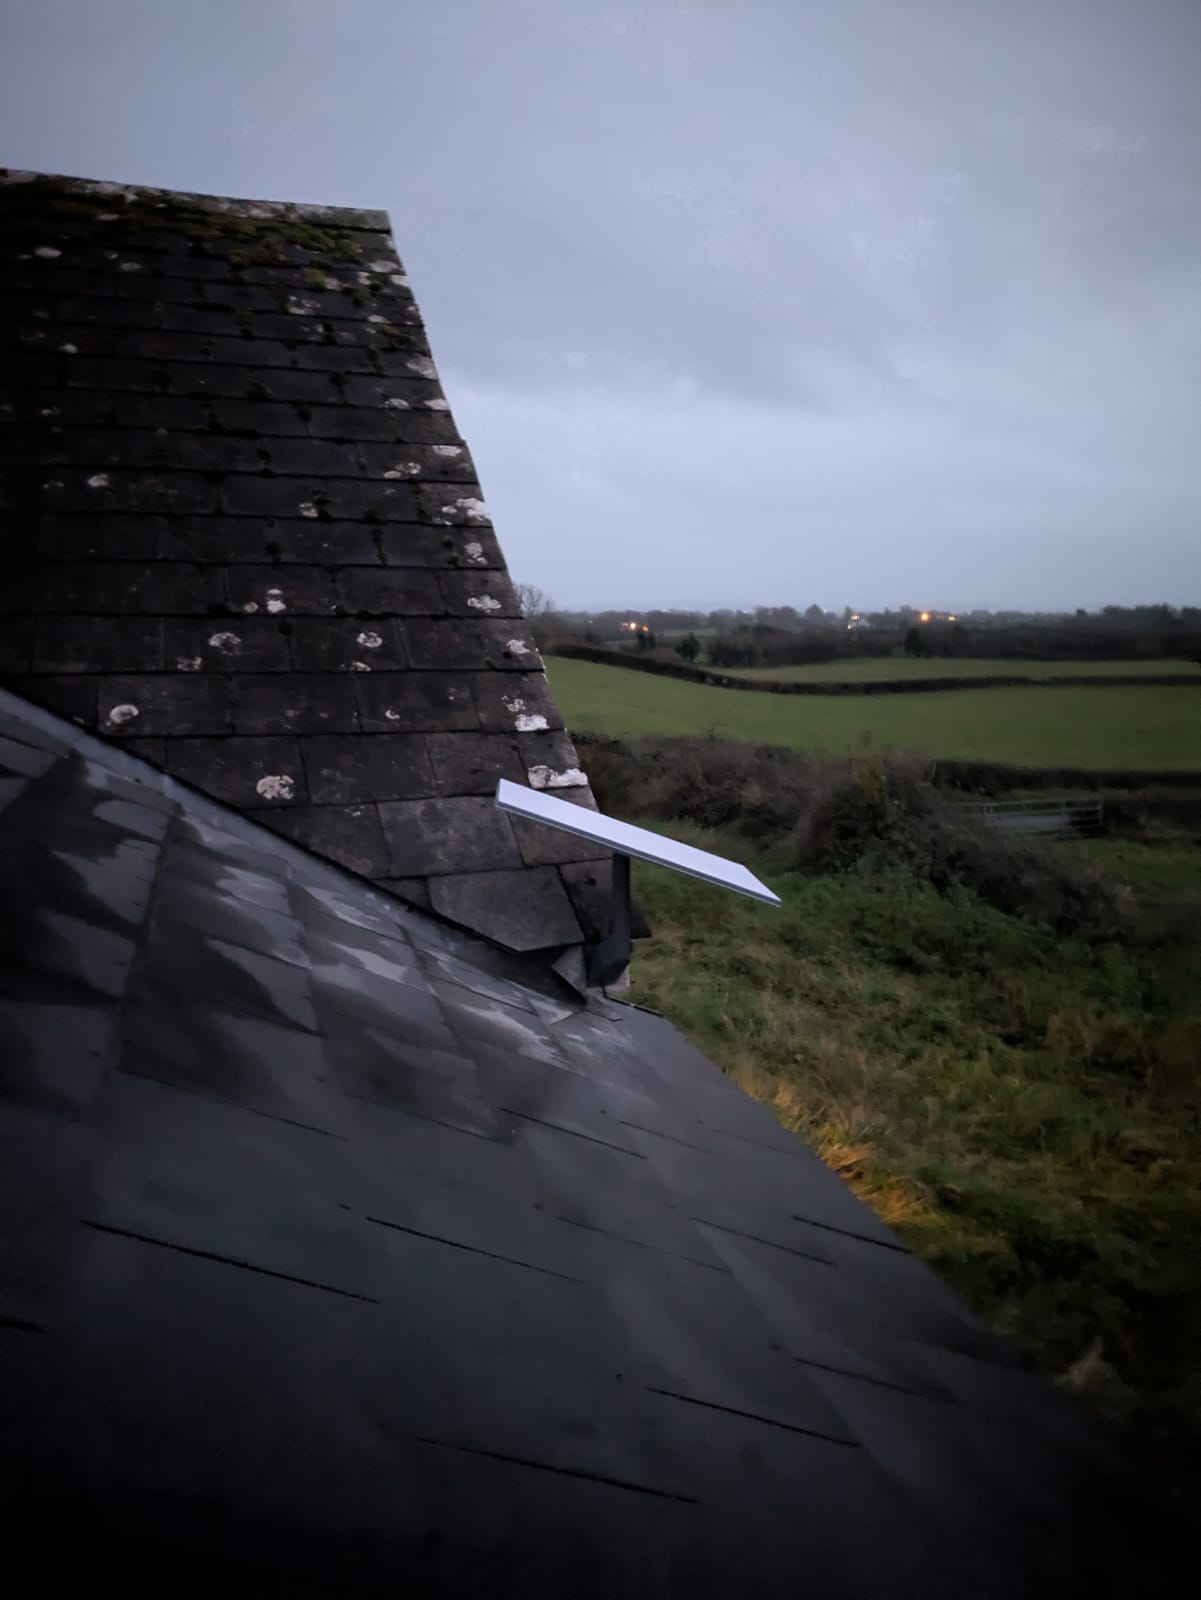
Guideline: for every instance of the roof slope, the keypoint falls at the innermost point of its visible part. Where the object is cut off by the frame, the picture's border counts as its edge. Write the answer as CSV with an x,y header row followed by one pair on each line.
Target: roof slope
x,y
342,1247
240,532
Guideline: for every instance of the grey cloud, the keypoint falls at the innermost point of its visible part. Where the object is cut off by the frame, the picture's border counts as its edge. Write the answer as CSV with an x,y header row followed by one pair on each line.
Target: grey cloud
x,y
735,302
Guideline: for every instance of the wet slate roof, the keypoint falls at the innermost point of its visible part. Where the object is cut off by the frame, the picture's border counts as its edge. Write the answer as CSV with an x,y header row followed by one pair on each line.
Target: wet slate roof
x,y
241,533
344,1249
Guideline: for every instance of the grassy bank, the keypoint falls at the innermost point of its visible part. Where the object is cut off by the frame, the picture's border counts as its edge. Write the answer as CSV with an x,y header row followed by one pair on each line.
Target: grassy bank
x,y
1022,1106
866,669
1140,727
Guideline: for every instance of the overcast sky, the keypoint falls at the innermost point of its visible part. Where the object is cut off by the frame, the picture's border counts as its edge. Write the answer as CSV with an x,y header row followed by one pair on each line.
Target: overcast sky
x,y
736,301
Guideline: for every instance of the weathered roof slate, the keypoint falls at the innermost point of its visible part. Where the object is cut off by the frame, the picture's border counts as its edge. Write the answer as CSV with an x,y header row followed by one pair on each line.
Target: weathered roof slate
x,y
342,1252
240,532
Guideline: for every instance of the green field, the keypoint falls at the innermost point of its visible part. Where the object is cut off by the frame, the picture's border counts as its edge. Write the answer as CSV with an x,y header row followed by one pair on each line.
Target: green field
x,y
863,668
1139,726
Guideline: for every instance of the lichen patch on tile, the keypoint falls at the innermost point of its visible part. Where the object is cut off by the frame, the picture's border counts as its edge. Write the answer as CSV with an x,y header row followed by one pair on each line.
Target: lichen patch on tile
x,y
276,786
548,778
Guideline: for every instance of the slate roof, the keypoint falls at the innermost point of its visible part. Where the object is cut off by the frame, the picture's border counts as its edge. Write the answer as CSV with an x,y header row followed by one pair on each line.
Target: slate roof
x,y
241,533
344,1252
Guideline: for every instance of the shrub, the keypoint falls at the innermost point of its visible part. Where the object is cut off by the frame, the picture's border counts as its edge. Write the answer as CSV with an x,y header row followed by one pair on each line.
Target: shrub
x,y
887,814
858,814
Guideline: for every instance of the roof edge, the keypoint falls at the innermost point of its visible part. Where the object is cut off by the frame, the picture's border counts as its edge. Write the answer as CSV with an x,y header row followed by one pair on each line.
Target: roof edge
x,y
349,217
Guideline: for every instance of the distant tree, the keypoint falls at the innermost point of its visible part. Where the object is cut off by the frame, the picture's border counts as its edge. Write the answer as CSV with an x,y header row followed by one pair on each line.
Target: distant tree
x,y
534,602
814,616
646,640
688,649
915,642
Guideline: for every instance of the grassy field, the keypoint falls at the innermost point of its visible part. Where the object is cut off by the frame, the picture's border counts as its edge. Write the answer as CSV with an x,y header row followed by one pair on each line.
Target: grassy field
x,y
1139,726
1023,1107
864,669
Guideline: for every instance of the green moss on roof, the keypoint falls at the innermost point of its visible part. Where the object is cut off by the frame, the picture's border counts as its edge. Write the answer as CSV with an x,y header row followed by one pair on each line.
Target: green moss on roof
x,y
264,231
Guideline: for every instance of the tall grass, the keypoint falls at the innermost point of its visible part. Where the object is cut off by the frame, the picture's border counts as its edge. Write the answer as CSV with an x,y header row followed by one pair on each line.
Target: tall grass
x,y
998,1048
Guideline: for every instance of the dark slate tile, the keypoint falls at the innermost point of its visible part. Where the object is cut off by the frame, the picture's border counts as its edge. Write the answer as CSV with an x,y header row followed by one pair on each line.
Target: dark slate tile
x,y
54,1055
16,644
84,536
98,644
335,910
344,769
383,995
26,760
215,539
315,457
245,1060
120,588
166,703
11,790
513,704
264,418
339,498
479,594
152,750
182,909
471,763
346,645
352,422
245,772
349,834
551,761
589,886
415,702
425,462
131,815
272,591
443,644
413,891
301,702
471,975
386,592
452,835
209,971
227,644
524,910
510,645
452,504
115,775
186,1170
45,1160
326,544
67,947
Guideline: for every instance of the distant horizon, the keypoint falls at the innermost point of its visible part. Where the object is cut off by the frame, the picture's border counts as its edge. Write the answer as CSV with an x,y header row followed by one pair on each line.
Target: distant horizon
x,y
960,613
